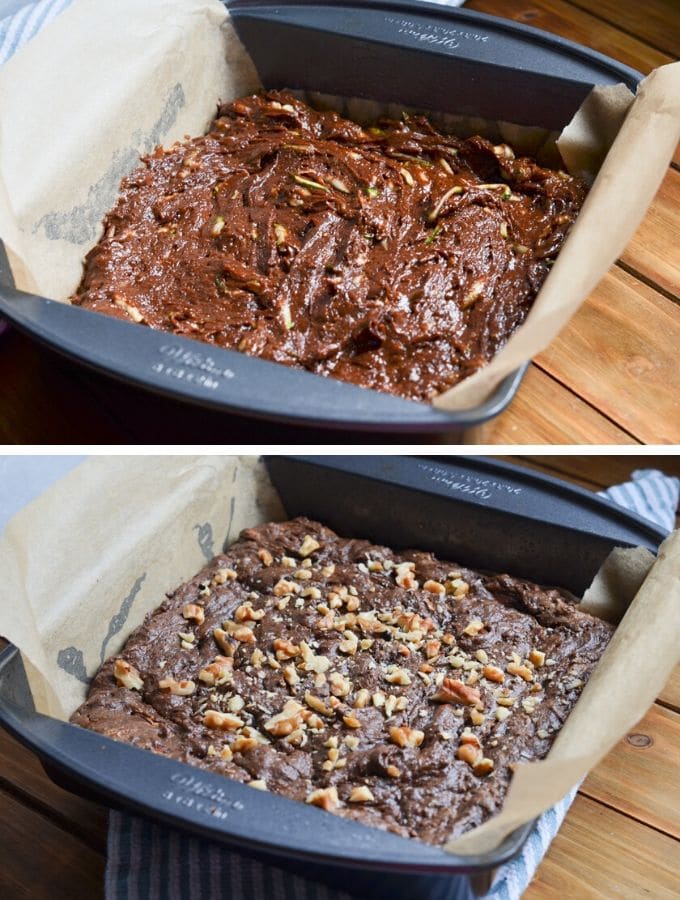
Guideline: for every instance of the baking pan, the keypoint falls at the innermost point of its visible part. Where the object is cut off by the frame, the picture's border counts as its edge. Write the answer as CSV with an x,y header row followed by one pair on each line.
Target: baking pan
x,y
413,52
474,511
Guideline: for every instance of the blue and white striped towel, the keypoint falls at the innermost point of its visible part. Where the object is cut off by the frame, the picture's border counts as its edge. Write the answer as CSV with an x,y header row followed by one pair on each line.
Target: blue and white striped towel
x,y
149,861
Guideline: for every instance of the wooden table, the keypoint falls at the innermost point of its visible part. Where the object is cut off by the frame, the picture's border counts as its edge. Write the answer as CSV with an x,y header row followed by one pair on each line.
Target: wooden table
x,y
621,838
611,377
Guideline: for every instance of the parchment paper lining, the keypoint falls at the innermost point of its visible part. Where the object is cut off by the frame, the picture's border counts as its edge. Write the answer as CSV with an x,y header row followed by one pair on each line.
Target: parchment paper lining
x,y
84,562
65,144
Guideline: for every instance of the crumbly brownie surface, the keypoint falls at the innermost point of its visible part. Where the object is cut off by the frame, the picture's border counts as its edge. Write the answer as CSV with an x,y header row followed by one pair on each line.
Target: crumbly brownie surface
x,y
391,688
394,257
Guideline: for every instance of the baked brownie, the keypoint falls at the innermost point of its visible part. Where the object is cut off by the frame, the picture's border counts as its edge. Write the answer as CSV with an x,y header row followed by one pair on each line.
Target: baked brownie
x,y
394,257
391,688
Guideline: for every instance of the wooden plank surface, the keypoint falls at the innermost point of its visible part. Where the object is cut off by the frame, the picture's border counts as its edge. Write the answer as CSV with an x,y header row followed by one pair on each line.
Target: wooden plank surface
x,y
597,472
654,249
22,776
620,354
565,19
40,860
600,854
640,775
549,413
654,21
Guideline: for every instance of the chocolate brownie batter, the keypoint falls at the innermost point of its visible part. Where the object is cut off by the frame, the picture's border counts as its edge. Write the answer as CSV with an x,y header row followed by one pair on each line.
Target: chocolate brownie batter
x,y
393,257
387,687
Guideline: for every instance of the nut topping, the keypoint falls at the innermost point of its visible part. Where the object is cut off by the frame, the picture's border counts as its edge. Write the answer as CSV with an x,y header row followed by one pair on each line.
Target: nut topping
x,y
127,675
483,767
395,675
193,611
285,649
523,671
537,657
361,794
469,753
454,691
317,704
308,546
246,613
493,673
213,718
403,736
178,688
218,671
325,798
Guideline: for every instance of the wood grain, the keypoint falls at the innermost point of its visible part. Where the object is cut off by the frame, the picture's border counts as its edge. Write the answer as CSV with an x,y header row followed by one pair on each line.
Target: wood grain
x,y
654,249
655,21
38,859
599,853
620,354
22,776
544,412
565,19
640,775
597,472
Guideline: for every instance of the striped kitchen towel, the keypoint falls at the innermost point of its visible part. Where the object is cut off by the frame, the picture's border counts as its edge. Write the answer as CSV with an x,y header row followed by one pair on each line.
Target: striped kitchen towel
x,y
146,860
22,21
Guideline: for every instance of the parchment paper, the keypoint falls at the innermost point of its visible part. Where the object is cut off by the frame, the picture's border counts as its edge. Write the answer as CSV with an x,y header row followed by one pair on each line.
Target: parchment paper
x,y
106,82
84,562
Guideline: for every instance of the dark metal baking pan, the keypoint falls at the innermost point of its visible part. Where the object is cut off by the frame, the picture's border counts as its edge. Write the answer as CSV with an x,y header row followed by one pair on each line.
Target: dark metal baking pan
x,y
412,52
473,511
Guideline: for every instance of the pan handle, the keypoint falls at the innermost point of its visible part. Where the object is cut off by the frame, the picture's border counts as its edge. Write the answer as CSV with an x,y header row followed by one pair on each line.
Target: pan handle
x,y
207,803
223,379
425,55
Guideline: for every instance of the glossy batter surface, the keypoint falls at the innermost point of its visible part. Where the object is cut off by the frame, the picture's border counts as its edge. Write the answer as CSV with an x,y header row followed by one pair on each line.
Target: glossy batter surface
x,y
392,688
393,257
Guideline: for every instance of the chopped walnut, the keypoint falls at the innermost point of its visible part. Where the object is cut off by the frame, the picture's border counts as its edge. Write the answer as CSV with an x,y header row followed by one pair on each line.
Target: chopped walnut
x,y
218,671
326,798
395,675
212,718
193,611
127,675
290,676
317,704
404,736
361,794
349,644
362,698
537,657
474,627
469,753
523,671
351,721
493,673
340,686
434,587
454,691
182,688
246,613
285,649
224,575
265,557
308,546
284,588
483,766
